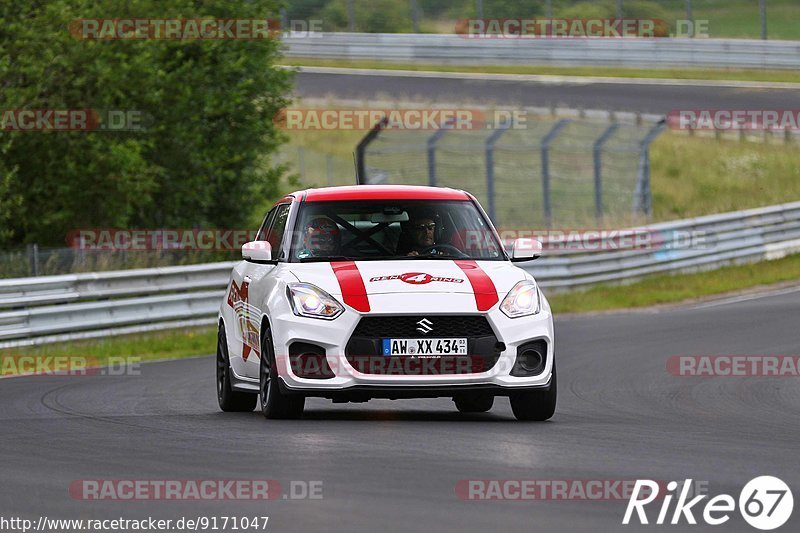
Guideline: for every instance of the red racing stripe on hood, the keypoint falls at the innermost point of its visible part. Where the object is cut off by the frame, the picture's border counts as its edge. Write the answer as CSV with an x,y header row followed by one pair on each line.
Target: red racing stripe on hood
x,y
353,290
482,285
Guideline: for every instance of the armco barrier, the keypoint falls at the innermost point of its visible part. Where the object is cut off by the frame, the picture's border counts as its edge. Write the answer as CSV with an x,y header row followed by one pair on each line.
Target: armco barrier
x,y
47,309
629,52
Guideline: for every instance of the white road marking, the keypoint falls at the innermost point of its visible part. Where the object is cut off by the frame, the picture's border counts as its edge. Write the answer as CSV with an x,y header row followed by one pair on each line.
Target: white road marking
x,y
745,298
546,78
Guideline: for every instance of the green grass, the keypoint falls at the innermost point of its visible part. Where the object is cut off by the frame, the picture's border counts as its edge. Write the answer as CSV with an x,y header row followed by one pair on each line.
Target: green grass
x,y
340,143
169,344
694,176
667,289
741,19
726,18
783,76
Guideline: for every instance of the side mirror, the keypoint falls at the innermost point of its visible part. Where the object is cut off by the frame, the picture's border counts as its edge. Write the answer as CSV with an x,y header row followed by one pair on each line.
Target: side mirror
x,y
257,251
525,249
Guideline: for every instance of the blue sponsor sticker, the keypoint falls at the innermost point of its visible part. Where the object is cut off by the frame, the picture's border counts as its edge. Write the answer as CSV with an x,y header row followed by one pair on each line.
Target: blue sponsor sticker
x,y
387,346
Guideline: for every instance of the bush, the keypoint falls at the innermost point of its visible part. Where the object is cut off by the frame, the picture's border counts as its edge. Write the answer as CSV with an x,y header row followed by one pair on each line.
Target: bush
x,y
198,163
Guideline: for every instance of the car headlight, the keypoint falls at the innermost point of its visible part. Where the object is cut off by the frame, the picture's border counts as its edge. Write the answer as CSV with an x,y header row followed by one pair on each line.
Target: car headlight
x,y
310,301
522,300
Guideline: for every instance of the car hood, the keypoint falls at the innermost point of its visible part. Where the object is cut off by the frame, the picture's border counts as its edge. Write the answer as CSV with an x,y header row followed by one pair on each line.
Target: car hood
x,y
357,281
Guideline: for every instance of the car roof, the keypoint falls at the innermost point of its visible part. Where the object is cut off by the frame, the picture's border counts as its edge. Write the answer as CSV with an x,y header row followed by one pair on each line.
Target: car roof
x,y
380,192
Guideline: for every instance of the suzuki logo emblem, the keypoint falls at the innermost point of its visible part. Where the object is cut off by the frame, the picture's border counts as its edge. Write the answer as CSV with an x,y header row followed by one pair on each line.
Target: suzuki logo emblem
x,y
425,326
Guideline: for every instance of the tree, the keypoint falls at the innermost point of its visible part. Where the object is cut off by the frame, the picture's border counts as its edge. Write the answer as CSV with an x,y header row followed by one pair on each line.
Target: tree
x,y
202,157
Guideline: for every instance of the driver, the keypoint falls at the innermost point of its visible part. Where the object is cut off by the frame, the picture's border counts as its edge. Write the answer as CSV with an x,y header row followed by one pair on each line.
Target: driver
x,y
422,232
321,238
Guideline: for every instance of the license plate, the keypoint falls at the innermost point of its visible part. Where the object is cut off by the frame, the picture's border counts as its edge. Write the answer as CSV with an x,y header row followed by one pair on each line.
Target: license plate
x,y
425,347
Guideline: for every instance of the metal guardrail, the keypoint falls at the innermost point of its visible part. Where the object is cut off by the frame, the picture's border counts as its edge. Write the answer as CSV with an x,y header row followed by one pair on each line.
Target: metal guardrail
x,y
54,308
730,238
632,52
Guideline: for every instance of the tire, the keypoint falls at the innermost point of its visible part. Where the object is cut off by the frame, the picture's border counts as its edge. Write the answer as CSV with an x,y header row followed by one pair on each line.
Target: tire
x,y
537,405
229,399
274,404
476,403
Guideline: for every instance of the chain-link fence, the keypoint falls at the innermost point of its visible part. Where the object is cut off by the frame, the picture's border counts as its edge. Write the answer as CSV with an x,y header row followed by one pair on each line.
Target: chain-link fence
x,y
34,260
310,168
551,172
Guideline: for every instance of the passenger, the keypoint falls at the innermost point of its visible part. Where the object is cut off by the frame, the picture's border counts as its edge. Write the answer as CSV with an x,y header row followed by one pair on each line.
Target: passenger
x,y
321,238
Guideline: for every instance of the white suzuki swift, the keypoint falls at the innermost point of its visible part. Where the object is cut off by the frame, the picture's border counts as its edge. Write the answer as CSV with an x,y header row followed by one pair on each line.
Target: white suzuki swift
x,y
352,293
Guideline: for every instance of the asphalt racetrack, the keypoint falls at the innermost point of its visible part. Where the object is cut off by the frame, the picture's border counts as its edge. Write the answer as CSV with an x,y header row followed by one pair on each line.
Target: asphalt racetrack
x,y
394,466
631,95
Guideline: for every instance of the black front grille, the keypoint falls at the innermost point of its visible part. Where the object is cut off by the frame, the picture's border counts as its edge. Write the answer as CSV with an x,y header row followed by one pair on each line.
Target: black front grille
x,y
406,326
364,350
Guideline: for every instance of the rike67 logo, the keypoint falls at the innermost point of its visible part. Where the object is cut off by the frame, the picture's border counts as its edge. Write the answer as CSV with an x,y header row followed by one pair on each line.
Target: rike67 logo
x,y
765,503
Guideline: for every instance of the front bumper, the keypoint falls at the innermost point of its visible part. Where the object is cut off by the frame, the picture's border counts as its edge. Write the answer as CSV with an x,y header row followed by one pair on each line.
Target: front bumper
x,y
359,393
333,337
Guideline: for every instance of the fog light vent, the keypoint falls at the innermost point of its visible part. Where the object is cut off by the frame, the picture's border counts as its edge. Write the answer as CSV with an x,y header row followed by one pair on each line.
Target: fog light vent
x,y
309,361
531,359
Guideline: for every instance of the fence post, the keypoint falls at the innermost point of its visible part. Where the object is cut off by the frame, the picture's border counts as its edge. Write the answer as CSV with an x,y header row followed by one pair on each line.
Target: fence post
x,y
490,143
689,17
33,258
762,11
414,16
479,9
301,163
642,199
545,154
284,21
361,149
548,12
351,16
81,251
431,143
598,170
619,9
329,168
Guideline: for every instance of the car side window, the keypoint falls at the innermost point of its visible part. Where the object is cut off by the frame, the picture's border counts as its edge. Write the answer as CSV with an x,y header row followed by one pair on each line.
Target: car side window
x,y
278,227
262,232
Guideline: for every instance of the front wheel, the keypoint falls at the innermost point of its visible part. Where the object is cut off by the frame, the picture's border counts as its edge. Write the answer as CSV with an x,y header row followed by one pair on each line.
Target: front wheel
x,y
274,404
536,405
229,400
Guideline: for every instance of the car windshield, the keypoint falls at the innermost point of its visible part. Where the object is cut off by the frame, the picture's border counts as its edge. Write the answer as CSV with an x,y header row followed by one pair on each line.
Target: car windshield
x,y
380,230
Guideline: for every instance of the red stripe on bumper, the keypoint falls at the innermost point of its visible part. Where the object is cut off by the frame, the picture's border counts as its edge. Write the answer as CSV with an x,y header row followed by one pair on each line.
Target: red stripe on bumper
x,y
353,290
482,285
